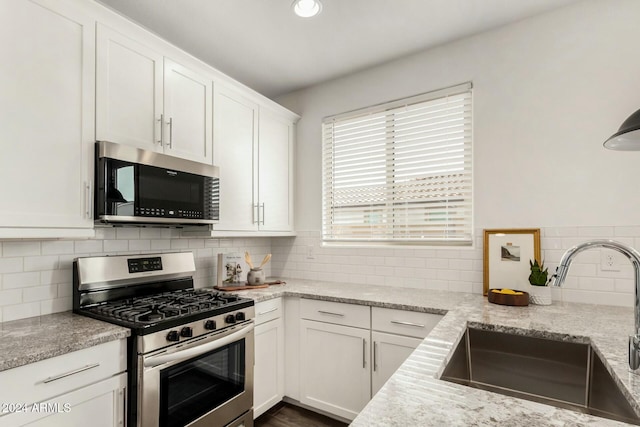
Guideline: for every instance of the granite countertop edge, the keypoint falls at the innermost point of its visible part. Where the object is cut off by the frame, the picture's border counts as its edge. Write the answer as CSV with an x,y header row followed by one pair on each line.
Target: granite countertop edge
x,y
34,339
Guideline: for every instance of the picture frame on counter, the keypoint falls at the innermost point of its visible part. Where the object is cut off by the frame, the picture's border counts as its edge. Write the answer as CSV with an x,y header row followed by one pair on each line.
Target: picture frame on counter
x,y
507,253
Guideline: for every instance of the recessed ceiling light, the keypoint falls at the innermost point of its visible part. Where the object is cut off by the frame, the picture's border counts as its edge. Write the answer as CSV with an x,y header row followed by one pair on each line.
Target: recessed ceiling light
x,y
307,8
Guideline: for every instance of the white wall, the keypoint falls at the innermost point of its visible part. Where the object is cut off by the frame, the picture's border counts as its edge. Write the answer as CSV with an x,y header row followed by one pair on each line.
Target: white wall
x,y
547,92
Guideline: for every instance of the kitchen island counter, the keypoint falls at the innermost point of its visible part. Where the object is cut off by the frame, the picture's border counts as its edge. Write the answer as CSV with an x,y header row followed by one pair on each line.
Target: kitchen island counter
x,y
415,396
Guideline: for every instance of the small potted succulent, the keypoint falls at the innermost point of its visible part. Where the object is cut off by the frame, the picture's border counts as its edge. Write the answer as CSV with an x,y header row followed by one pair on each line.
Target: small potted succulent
x,y
539,293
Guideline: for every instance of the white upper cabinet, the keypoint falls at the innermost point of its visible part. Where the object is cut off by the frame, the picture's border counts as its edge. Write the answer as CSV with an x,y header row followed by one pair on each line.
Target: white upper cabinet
x,y
47,86
187,106
128,91
235,135
254,149
275,172
150,101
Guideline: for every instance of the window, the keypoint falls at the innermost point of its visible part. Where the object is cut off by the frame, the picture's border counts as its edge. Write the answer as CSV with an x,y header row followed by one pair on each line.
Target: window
x,y
400,172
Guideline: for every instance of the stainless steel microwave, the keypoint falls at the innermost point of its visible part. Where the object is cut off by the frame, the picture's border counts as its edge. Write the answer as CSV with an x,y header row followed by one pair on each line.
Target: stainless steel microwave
x,y
144,187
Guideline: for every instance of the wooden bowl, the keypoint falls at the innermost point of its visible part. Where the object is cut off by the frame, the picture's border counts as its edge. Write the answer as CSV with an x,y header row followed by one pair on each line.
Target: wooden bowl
x,y
509,299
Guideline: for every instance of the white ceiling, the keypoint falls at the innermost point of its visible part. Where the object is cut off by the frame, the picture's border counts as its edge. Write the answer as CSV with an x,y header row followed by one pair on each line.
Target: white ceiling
x,y
262,44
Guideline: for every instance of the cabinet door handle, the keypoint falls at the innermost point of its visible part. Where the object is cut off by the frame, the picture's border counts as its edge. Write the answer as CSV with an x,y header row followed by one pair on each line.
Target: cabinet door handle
x,y
416,325
68,374
268,311
331,313
263,214
375,359
170,132
89,200
364,353
161,120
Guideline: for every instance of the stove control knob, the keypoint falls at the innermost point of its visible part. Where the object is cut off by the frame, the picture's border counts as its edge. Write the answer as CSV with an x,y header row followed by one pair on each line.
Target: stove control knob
x,y
173,336
186,332
240,316
230,319
210,325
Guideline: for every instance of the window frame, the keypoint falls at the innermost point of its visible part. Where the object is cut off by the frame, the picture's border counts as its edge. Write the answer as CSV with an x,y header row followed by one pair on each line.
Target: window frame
x,y
390,188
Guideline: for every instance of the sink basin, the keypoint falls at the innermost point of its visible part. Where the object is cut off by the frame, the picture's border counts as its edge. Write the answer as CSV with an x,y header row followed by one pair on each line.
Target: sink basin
x,y
563,374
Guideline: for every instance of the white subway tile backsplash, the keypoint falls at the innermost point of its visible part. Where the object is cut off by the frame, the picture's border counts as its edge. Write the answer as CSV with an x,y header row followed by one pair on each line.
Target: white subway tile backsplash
x,y
592,232
57,247
11,265
20,249
35,277
20,311
10,296
39,293
39,263
56,305
115,245
140,245
87,246
596,284
19,280
127,233
179,244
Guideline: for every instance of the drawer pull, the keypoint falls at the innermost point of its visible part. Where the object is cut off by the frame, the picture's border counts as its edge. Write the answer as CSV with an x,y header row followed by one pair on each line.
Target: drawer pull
x,y
417,325
268,311
68,374
331,313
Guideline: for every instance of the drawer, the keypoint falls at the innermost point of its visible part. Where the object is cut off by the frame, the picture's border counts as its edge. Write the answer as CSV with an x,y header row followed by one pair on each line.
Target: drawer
x,y
268,310
58,375
402,322
339,313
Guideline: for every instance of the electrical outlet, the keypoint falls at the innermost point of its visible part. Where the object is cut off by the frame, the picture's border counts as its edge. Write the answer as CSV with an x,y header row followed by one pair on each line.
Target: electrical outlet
x,y
311,254
609,261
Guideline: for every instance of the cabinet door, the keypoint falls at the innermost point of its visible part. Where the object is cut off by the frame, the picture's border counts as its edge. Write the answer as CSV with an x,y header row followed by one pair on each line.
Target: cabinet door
x,y
46,105
188,113
275,173
235,124
128,91
268,373
99,405
389,352
334,368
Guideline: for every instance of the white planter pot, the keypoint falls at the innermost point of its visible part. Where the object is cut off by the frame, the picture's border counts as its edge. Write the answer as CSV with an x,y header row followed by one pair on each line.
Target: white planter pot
x,y
540,295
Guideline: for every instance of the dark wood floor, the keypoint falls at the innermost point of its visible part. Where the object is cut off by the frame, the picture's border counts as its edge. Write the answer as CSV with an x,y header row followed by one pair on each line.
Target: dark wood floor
x,y
286,415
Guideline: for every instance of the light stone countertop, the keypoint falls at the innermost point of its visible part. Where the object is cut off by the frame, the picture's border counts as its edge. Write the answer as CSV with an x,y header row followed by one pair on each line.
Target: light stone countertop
x,y
37,338
415,396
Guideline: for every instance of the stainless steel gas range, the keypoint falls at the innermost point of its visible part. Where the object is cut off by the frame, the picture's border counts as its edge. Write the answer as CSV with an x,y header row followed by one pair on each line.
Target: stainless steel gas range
x,y
190,354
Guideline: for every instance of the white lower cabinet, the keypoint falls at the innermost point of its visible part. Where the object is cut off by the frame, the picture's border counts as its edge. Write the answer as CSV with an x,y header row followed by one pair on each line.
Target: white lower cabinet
x,y
335,374
343,362
99,405
85,387
389,352
268,378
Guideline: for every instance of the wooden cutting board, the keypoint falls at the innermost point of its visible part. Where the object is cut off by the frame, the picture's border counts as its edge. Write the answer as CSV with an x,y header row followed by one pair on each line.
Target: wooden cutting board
x,y
245,287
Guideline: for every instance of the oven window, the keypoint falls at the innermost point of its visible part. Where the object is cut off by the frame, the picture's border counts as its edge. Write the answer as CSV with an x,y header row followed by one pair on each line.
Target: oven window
x,y
193,388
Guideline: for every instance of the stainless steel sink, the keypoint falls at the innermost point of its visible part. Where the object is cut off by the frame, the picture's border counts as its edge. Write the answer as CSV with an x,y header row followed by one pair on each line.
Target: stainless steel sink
x,y
563,374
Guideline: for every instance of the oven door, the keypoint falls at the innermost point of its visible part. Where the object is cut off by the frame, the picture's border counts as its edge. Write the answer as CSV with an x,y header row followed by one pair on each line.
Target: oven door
x,y
205,382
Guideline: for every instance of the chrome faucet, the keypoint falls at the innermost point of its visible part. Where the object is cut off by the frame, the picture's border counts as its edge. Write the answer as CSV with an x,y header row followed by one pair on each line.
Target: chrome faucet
x,y
634,256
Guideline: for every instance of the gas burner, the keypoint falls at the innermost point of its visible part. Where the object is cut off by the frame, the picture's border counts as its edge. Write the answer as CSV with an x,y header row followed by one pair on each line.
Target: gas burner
x,y
155,309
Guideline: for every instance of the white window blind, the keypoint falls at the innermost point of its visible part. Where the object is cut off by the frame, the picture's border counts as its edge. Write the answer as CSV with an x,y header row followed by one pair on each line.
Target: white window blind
x,y
400,172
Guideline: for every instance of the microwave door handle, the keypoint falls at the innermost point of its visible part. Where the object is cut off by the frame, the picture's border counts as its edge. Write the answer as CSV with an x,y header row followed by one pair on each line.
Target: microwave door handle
x,y
198,350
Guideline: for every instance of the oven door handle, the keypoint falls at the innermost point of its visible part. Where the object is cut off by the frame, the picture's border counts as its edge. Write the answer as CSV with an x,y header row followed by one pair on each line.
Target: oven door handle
x,y
198,350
